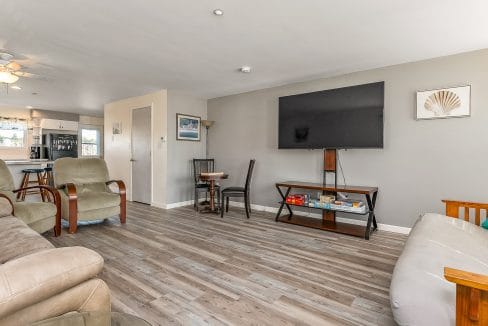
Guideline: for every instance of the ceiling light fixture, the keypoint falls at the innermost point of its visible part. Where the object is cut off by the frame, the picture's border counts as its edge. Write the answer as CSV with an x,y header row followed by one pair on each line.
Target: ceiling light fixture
x,y
7,77
245,69
29,107
16,87
218,12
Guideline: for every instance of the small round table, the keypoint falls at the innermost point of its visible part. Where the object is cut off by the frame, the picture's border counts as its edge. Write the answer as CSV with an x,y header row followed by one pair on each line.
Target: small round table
x,y
211,178
94,319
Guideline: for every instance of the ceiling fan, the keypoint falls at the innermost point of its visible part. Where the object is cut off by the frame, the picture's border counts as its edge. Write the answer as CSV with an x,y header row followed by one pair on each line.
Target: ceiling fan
x,y
10,69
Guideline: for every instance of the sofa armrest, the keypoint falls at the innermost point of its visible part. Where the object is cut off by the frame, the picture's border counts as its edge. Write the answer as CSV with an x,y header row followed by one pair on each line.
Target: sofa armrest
x,y
6,206
123,198
471,296
36,277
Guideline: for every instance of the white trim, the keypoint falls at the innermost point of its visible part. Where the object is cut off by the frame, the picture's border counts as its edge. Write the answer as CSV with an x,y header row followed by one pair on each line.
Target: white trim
x,y
180,204
158,205
261,208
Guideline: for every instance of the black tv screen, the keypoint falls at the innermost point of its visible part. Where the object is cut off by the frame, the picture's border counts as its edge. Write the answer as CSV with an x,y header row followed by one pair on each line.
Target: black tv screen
x,y
349,117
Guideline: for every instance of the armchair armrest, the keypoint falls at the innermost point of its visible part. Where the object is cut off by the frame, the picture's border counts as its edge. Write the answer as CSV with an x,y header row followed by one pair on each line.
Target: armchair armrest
x,y
5,198
471,296
120,184
57,201
123,198
72,206
36,277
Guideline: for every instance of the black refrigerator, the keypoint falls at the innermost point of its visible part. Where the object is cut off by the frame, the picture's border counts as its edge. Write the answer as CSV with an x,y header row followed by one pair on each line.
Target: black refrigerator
x,y
62,145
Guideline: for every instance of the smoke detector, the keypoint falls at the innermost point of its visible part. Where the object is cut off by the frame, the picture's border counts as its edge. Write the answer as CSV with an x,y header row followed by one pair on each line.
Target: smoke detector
x,y
245,69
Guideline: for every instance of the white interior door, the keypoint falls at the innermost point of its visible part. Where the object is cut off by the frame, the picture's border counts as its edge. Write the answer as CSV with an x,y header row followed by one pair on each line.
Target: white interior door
x,y
141,155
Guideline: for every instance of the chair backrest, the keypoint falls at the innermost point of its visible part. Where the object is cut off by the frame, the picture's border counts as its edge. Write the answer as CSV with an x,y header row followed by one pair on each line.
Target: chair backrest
x,y
80,171
202,166
249,175
6,179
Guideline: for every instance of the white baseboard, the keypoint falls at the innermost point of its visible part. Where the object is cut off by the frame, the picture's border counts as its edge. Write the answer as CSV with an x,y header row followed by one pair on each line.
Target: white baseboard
x,y
383,227
261,208
180,204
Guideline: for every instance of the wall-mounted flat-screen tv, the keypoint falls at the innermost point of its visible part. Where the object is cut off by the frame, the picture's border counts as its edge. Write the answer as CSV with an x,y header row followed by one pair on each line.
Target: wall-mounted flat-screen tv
x,y
348,117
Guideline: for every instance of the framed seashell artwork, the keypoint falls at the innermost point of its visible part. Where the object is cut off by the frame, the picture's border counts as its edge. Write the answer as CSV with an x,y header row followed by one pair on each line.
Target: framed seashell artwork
x,y
444,103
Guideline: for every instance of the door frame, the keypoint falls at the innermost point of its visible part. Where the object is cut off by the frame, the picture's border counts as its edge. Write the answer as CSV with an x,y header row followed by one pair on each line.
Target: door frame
x,y
151,106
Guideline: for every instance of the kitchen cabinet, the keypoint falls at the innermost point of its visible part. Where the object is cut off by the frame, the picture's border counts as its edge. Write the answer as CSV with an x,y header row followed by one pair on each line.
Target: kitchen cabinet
x,y
59,124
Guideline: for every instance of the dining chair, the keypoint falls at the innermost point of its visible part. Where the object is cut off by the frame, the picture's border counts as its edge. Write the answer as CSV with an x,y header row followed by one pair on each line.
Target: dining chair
x,y
203,166
239,192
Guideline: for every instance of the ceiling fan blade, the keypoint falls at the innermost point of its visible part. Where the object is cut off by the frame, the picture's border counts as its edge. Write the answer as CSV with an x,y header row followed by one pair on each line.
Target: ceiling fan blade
x,y
14,66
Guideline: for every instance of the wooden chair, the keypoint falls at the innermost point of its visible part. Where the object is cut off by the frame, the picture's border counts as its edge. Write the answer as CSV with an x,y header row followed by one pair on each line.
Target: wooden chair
x,y
239,192
203,166
471,289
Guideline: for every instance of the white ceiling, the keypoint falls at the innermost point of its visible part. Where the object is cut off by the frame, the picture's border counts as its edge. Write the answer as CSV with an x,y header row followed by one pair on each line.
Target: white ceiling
x,y
92,52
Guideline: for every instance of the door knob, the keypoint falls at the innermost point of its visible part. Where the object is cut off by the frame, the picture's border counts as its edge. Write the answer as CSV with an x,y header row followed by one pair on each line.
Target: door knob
x,y
132,160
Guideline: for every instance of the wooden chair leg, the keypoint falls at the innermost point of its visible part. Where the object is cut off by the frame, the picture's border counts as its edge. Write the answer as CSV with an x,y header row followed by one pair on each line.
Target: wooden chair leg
x,y
195,204
222,207
40,183
25,179
227,204
246,205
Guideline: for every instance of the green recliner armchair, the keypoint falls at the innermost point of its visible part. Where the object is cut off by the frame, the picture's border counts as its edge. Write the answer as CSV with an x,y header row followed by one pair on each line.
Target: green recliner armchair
x,y
83,184
39,216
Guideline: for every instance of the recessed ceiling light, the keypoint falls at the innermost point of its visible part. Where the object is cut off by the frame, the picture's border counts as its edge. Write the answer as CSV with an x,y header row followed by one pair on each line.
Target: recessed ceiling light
x,y
245,69
15,87
29,107
218,12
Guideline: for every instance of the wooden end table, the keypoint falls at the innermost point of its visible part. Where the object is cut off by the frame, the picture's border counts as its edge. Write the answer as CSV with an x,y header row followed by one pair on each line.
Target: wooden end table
x,y
211,179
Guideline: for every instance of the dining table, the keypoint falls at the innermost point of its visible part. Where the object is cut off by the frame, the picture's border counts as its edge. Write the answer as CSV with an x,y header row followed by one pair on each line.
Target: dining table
x,y
212,178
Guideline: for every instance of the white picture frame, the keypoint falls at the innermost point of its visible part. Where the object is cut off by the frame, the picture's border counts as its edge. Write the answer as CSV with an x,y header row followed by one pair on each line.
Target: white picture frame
x,y
187,127
452,102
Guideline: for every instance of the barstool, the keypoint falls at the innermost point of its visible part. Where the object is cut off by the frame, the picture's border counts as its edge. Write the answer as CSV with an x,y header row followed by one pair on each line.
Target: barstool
x,y
48,180
26,181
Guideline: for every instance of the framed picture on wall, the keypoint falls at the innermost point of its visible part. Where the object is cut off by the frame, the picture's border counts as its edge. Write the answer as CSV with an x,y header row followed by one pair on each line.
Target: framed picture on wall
x,y
187,127
444,103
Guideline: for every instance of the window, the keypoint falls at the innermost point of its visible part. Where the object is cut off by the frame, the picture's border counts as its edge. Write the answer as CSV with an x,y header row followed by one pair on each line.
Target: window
x,y
12,133
90,142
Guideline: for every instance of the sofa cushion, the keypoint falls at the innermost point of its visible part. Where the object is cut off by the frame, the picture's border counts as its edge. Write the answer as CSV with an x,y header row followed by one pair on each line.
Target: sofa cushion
x,y
11,230
31,212
420,295
92,200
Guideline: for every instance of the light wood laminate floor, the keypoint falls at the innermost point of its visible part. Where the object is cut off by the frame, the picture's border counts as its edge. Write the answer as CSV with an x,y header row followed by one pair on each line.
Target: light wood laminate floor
x,y
181,267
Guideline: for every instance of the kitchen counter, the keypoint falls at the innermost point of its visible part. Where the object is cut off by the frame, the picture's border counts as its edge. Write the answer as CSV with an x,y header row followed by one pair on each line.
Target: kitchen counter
x,y
28,162
16,167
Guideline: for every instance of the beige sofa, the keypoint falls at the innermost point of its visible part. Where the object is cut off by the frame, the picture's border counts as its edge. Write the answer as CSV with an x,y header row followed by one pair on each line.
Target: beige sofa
x,y
38,281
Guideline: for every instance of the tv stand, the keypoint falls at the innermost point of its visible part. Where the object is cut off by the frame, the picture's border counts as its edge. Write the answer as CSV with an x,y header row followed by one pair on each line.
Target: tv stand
x,y
328,221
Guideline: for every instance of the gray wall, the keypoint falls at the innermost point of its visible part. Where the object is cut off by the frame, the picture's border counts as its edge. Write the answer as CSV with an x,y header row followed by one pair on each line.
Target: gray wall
x,y
421,163
181,153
